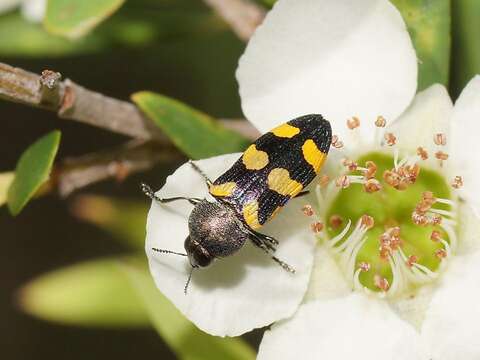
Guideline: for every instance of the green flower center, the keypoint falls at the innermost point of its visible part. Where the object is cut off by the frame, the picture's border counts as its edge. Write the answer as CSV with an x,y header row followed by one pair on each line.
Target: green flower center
x,y
411,233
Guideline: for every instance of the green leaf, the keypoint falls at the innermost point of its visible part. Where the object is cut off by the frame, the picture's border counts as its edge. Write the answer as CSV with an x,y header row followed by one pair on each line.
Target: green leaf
x,y
75,18
33,170
466,43
94,293
123,219
130,27
186,340
6,180
195,133
428,22
23,38
267,3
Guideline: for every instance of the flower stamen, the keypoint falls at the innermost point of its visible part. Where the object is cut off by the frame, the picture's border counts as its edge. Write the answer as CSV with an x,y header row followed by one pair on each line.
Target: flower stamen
x,y
336,143
343,182
381,283
441,253
349,164
440,139
308,210
402,176
324,180
440,155
422,153
336,221
367,221
396,269
457,182
380,122
435,236
353,123
412,259
372,185
317,227
371,169
364,266
390,139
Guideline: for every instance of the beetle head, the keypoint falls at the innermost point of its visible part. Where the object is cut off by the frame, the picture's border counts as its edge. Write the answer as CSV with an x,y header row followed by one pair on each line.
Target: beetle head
x,y
197,255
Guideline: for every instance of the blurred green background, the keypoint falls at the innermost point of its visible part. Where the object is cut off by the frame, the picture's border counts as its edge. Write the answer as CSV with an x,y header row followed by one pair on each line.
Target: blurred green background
x,y
104,307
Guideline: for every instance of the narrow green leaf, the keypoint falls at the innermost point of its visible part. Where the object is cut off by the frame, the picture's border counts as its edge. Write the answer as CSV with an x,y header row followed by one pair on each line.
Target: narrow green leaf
x,y
33,169
466,42
124,219
195,133
6,180
428,22
187,341
75,18
94,293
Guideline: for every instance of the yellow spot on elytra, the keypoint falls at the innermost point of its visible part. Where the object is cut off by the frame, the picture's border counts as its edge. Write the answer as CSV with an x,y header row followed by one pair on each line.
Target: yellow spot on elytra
x,y
312,155
254,159
250,214
285,131
279,180
221,190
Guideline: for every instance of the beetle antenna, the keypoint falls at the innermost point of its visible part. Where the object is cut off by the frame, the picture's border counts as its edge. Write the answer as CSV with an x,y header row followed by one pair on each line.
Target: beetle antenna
x,y
188,281
168,252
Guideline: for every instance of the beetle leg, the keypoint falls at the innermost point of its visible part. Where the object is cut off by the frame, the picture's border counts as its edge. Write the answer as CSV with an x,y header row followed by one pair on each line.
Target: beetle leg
x,y
264,237
262,245
284,265
260,238
147,190
197,169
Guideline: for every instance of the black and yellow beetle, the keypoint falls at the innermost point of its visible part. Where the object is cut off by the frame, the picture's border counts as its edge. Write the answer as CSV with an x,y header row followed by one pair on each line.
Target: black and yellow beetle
x,y
274,169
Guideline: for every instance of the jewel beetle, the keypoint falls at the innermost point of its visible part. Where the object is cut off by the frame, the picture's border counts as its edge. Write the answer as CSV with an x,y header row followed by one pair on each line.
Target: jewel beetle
x,y
274,169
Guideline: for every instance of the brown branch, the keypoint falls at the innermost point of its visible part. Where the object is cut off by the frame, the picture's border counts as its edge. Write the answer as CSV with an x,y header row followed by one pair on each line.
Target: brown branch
x,y
135,156
243,16
74,102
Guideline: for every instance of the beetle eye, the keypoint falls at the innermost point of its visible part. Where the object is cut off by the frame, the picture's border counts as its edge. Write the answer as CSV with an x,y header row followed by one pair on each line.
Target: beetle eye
x,y
202,259
197,255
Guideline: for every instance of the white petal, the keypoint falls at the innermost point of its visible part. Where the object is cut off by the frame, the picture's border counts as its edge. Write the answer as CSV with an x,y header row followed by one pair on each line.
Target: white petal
x,y
429,114
354,327
238,293
7,5
465,146
34,10
468,230
452,322
412,307
334,166
327,281
339,58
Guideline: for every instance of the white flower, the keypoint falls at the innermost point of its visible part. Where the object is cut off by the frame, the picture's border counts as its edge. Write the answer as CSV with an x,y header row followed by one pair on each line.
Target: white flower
x,y
390,279
422,312
32,10
238,293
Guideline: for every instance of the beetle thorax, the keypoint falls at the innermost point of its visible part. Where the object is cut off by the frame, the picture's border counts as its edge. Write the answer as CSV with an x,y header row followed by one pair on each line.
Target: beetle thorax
x,y
216,228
